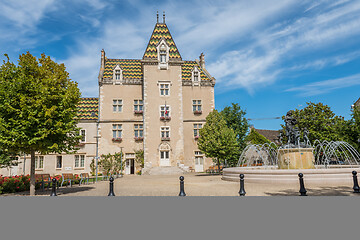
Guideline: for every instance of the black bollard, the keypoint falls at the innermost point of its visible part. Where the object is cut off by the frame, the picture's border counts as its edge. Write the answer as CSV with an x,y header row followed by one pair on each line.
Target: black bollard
x,y
111,192
53,190
356,185
242,189
302,187
182,192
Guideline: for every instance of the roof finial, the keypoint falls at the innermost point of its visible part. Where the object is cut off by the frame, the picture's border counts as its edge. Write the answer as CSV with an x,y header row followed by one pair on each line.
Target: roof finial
x,y
163,16
157,16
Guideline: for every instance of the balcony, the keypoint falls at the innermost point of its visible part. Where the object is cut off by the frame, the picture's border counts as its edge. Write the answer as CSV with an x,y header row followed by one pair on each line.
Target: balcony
x,y
198,112
139,112
165,139
138,139
167,118
80,144
117,139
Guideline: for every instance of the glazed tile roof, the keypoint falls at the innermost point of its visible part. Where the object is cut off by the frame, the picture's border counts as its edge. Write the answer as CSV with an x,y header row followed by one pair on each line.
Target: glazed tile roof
x,y
131,68
161,31
88,109
187,68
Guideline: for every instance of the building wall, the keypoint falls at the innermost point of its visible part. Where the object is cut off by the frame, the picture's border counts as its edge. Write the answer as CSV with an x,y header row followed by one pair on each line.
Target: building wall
x,y
153,76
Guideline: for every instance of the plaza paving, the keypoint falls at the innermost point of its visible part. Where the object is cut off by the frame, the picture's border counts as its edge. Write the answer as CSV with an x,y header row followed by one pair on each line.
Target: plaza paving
x,y
195,185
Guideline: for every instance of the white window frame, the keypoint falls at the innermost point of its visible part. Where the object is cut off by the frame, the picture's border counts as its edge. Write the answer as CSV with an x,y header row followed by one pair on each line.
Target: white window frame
x,y
38,160
196,105
83,136
57,158
138,105
139,131
163,46
79,161
165,132
196,70
117,74
196,129
162,111
118,129
162,87
117,104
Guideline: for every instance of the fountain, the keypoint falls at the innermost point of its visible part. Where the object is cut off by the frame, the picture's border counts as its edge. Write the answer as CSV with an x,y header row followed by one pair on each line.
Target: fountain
x,y
322,162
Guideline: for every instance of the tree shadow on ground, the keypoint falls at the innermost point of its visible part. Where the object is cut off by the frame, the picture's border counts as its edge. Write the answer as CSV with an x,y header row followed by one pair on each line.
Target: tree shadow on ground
x,y
60,191
208,174
325,191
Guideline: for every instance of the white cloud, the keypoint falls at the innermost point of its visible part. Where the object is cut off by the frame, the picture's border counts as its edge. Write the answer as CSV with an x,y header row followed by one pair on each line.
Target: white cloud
x,y
317,88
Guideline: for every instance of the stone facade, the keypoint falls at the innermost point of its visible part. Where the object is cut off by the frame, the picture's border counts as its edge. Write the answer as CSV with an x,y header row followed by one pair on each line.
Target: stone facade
x,y
156,104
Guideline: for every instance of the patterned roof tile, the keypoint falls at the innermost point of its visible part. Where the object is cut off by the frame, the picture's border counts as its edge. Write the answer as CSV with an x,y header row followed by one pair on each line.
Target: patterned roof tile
x,y
187,68
131,68
161,31
88,109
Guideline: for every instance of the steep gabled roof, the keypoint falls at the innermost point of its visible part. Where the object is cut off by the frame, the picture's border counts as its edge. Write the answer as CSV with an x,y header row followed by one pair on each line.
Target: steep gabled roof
x,y
271,135
88,109
357,103
161,31
131,68
187,68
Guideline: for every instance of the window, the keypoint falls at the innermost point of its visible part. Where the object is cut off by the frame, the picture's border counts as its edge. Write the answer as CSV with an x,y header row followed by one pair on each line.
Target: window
x,y
39,162
79,161
138,106
197,106
196,76
197,127
164,89
82,133
163,56
138,130
117,74
117,105
117,131
58,161
165,133
165,111
164,155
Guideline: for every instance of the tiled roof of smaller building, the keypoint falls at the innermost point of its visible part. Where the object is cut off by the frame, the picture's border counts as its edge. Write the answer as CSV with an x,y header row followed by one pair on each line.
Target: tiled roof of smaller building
x,y
131,68
161,31
88,109
271,135
357,103
187,68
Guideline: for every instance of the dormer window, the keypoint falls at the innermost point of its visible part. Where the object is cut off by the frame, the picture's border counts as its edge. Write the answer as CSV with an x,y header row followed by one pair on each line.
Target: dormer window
x,y
163,54
117,75
196,76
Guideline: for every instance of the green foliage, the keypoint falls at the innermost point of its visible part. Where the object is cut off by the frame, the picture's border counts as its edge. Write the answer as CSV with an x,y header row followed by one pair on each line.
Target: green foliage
x,y
235,119
256,138
218,141
111,163
139,157
7,159
14,184
351,129
38,104
321,122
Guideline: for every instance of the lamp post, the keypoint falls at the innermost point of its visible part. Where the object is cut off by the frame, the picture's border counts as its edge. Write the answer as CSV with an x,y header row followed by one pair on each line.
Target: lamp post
x,y
97,150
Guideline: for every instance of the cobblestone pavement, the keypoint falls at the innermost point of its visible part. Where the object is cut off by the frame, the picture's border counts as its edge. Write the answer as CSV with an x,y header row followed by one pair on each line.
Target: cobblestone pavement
x,y
195,185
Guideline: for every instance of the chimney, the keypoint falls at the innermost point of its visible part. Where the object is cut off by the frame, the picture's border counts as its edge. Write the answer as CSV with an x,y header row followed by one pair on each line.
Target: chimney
x,y
202,60
102,59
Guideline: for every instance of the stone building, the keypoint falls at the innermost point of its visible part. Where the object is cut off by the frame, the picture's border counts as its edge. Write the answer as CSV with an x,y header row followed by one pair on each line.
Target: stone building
x,y
156,104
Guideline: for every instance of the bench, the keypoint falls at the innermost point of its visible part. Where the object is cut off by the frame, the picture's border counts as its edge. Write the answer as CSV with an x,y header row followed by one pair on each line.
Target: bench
x,y
85,176
68,177
42,179
214,169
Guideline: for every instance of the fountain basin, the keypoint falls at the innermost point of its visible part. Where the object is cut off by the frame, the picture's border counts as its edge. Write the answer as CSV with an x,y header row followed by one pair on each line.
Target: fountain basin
x,y
271,174
296,158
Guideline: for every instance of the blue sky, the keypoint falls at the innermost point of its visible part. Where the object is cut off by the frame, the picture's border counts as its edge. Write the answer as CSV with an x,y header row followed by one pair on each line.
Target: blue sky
x,y
268,56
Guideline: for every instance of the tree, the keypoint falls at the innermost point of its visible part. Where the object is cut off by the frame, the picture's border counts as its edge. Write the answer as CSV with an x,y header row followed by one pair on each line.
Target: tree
x,y
7,159
235,119
320,121
139,157
256,138
351,129
218,141
111,163
38,104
